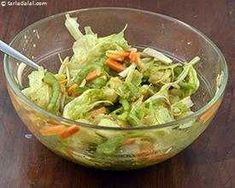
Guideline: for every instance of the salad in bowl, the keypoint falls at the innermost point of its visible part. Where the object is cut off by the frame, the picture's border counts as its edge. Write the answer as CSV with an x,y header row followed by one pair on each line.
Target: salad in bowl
x,y
112,104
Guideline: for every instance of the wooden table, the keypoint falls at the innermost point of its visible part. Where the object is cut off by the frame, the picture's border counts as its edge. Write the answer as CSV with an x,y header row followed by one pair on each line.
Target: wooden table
x,y
209,162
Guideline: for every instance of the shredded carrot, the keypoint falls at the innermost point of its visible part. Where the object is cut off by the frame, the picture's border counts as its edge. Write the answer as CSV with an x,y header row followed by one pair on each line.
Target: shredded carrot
x,y
63,81
98,111
124,54
69,131
114,65
71,90
210,112
92,75
59,130
134,57
118,55
129,141
52,123
52,130
146,152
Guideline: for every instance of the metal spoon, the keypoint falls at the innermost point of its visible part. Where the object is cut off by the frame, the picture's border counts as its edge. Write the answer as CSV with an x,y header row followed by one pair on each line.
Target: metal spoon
x,y
5,48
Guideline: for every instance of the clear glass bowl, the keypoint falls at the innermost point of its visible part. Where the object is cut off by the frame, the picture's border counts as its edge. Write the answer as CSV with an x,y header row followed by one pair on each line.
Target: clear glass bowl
x,y
141,146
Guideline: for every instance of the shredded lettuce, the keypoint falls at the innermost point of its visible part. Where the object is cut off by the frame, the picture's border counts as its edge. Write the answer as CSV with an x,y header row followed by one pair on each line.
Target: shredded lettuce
x,y
181,107
127,70
38,91
77,108
157,55
73,27
105,73
82,48
107,122
108,83
111,145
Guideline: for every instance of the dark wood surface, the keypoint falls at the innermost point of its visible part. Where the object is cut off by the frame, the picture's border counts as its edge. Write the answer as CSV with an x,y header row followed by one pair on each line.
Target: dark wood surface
x,y
209,162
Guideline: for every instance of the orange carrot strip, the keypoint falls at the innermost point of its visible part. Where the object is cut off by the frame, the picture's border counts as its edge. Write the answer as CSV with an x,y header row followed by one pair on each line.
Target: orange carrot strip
x,y
92,75
114,65
52,130
52,123
69,132
123,54
129,141
118,55
63,81
71,89
134,57
146,152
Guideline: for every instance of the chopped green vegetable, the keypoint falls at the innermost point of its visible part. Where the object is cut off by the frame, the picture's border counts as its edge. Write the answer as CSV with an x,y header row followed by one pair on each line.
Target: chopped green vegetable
x,y
53,105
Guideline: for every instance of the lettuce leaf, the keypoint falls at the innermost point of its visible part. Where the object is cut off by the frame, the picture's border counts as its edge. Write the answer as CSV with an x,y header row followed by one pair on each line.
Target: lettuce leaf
x,y
191,83
111,145
161,114
105,121
114,41
129,69
82,49
38,91
73,27
78,107
157,55
88,48
187,79
161,77
181,107
130,89
134,115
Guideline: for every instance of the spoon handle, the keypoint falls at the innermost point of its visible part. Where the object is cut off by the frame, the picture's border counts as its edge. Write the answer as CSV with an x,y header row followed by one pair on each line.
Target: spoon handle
x,y
5,48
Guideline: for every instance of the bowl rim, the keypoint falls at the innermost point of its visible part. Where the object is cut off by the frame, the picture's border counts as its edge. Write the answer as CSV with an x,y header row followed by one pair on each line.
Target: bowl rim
x,y
197,113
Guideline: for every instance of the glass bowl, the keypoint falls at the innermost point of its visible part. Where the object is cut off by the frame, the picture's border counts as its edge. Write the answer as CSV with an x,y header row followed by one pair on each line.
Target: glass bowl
x,y
140,146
